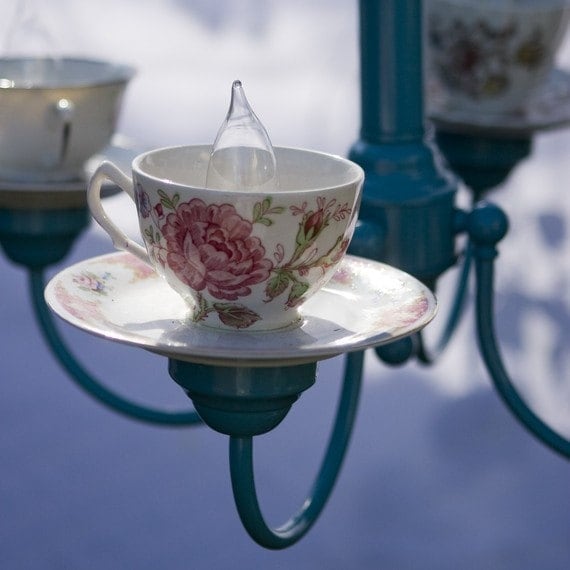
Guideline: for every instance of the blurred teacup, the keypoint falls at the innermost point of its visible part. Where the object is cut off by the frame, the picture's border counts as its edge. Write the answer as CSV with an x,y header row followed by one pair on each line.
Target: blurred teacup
x,y
55,113
241,259
492,56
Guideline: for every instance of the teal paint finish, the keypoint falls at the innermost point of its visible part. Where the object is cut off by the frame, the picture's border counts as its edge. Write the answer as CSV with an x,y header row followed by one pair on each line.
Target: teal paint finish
x,y
487,225
243,479
240,400
38,238
391,71
482,162
407,211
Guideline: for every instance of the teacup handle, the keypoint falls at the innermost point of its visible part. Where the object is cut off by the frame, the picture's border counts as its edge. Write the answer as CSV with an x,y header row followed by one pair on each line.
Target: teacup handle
x,y
64,110
108,171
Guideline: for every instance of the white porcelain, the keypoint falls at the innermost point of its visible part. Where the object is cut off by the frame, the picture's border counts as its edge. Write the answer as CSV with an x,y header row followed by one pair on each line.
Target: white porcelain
x,y
491,56
240,259
118,297
548,109
55,114
121,151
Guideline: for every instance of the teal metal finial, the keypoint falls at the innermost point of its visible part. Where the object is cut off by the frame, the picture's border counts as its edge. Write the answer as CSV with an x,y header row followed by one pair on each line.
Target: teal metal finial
x,y
241,400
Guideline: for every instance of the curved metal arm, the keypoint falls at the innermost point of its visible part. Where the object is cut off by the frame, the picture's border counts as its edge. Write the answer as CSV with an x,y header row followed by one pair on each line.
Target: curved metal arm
x,y
488,227
427,356
500,377
83,379
243,483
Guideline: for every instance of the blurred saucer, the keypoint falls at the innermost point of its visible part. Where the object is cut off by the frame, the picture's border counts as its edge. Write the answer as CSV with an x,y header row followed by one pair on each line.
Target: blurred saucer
x,y
548,109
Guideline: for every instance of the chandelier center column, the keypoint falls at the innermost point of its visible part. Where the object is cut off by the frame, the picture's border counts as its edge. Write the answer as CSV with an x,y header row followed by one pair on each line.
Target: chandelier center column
x,y
407,215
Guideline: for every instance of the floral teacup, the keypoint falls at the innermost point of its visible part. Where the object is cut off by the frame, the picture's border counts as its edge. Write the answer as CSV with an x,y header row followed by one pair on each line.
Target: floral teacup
x,y
240,259
492,56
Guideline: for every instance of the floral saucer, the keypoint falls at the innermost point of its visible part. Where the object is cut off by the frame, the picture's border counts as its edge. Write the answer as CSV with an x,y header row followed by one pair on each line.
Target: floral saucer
x,y
549,109
118,297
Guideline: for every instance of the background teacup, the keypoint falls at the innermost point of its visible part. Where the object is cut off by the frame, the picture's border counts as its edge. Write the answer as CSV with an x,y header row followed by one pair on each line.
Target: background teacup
x,y
241,259
491,56
55,114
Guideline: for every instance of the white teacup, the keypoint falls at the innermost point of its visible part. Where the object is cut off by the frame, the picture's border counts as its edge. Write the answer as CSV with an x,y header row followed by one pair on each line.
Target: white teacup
x,y
241,259
55,114
491,56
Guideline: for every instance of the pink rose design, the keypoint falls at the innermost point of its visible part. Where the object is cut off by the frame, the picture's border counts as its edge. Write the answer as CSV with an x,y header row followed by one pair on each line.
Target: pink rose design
x,y
211,247
314,224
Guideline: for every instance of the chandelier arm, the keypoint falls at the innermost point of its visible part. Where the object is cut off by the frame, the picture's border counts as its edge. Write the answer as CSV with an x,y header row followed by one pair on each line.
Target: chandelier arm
x,y
83,379
487,225
428,356
493,361
243,480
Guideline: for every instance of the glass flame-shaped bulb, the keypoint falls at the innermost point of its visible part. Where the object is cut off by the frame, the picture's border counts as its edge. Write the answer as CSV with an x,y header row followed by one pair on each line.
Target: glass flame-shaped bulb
x,y
242,157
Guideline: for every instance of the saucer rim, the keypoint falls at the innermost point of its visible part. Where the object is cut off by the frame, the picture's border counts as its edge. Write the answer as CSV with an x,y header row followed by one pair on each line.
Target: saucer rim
x,y
504,124
351,342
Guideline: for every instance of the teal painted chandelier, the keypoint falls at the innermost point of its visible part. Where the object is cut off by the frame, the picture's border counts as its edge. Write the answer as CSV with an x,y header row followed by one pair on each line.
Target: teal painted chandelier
x,y
406,237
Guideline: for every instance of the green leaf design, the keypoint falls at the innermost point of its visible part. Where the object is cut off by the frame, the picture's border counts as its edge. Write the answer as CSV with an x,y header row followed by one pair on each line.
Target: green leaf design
x,y
236,316
277,285
168,202
201,309
149,233
298,289
256,212
261,209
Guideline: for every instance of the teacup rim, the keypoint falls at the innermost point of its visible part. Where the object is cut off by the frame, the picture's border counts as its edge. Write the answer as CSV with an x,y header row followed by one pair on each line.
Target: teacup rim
x,y
356,179
119,73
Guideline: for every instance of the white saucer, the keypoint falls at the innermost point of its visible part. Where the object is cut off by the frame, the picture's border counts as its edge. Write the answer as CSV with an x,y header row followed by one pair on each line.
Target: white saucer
x,y
549,109
121,151
30,194
118,297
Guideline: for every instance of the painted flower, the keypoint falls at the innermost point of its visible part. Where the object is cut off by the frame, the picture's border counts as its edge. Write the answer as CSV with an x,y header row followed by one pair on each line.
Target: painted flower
x,y
314,224
466,57
143,202
211,247
531,53
158,211
88,281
